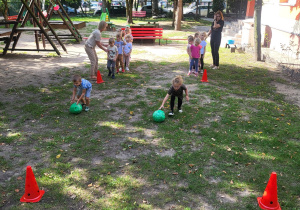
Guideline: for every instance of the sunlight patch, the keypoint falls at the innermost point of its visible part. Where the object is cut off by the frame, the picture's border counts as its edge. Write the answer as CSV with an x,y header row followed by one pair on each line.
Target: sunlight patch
x,y
111,124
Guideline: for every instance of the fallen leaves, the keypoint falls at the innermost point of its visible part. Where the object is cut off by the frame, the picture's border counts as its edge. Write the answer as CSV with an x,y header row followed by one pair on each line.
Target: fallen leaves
x,y
58,156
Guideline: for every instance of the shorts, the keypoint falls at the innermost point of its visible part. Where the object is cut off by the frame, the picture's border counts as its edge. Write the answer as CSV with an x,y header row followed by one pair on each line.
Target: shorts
x,y
87,93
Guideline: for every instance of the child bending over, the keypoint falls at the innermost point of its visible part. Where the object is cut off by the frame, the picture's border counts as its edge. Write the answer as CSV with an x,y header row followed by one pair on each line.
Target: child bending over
x,y
83,89
176,90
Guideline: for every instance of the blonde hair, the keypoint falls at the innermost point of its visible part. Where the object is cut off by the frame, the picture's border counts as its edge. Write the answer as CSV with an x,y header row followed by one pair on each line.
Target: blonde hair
x,y
76,78
128,36
177,80
203,33
102,25
127,30
111,40
198,41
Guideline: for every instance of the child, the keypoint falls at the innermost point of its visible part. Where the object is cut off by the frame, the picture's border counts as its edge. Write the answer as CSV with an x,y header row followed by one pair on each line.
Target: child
x,y
196,35
176,90
128,31
127,51
90,45
83,92
203,50
112,54
119,43
190,42
195,55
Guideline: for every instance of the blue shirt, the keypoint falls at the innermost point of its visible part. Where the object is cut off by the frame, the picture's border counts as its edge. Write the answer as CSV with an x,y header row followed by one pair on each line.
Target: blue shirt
x,y
85,84
203,44
119,46
127,48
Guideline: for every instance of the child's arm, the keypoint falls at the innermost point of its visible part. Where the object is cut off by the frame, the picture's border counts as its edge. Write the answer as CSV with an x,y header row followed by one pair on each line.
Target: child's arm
x,y
107,55
82,95
164,101
186,95
190,53
73,95
116,55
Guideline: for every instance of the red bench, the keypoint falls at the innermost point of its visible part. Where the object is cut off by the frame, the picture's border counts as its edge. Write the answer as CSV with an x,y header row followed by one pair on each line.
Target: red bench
x,y
147,33
139,14
14,17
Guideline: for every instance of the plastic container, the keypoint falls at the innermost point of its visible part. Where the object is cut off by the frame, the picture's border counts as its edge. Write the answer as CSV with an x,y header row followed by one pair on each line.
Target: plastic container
x,y
230,41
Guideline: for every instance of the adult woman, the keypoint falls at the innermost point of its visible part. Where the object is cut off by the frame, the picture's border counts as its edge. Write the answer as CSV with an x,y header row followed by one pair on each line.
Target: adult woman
x,y
215,39
90,45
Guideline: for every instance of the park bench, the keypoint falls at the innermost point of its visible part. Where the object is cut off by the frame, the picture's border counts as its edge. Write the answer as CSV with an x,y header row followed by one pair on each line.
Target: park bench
x,y
14,17
139,14
147,33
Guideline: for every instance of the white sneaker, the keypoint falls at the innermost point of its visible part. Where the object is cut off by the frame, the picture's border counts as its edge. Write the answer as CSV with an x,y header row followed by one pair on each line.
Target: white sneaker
x,y
120,69
127,69
180,110
171,114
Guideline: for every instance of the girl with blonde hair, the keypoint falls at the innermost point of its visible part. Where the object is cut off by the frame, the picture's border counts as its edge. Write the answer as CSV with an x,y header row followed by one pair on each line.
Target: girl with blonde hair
x,y
176,90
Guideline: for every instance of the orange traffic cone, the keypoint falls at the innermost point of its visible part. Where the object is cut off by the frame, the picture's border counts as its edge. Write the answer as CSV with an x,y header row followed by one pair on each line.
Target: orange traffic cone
x,y
32,193
269,200
99,78
204,77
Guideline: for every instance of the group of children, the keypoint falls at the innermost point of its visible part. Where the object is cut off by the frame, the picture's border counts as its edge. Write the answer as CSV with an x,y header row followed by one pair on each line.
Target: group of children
x,y
196,49
118,52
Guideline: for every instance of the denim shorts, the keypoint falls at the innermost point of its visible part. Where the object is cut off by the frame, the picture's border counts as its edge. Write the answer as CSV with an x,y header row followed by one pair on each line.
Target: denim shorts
x,y
87,93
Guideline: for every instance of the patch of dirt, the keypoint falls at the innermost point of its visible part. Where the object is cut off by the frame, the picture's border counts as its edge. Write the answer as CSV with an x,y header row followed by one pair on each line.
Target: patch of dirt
x,y
291,93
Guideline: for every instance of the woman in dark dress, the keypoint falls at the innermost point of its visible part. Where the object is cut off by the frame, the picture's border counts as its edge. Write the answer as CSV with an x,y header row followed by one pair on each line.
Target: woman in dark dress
x,y
216,36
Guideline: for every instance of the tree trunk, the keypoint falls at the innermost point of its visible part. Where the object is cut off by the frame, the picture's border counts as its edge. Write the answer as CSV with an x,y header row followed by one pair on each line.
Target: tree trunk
x,y
178,16
129,6
257,30
155,8
174,12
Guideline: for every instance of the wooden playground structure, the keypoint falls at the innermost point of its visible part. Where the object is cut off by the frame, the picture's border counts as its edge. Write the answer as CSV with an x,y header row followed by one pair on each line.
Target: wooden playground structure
x,y
42,27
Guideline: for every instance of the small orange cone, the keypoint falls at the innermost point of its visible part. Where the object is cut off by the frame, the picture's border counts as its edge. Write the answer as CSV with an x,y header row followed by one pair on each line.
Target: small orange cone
x,y
99,78
32,193
204,77
269,199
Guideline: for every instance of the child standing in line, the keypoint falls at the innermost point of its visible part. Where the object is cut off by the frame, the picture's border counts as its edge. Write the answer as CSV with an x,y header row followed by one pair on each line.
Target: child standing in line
x,y
127,51
195,55
119,62
176,90
197,34
112,54
203,50
128,31
83,93
190,42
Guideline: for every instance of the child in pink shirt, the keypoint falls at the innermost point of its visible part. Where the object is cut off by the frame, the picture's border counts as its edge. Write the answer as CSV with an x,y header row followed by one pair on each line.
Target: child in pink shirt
x,y
195,55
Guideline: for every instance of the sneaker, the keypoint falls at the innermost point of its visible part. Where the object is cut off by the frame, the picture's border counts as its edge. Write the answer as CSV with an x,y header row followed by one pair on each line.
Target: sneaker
x,y
83,105
189,73
212,65
113,76
123,70
127,69
109,74
87,109
120,69
171,114
201,71
216,67
180,110
196,74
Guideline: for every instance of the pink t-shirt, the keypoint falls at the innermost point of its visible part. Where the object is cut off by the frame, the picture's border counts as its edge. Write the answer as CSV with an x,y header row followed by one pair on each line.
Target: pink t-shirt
x,y
196,51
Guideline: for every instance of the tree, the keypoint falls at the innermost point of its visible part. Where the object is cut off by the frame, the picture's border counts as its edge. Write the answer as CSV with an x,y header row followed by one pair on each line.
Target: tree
x,y
129,6
257,29
178,16
218,5
154,7
4,10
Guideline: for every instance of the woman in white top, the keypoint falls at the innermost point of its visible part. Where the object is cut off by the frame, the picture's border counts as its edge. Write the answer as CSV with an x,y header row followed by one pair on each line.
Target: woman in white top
x,y
90,45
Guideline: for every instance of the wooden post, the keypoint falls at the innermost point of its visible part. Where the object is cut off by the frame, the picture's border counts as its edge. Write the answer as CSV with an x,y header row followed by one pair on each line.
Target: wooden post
x,y
178,16
257,30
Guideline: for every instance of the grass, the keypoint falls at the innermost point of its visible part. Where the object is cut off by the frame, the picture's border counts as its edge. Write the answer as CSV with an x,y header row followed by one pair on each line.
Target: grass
x,y
219,153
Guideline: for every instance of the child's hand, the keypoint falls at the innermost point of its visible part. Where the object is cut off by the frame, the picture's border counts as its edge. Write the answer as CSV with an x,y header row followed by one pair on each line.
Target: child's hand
x,y
187,98
72,100
161,107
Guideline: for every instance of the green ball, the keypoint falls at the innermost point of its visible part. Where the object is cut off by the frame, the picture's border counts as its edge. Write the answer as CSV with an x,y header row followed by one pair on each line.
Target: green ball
x,y
75,108
159,116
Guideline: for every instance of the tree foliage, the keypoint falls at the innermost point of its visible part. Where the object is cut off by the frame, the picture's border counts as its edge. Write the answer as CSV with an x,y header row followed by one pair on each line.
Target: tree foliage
x,y
218,5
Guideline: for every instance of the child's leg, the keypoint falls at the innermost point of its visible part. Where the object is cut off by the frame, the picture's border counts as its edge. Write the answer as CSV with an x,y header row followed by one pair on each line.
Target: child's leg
x,y
87,97
82,100
108,67
179,103
124,60
121,61
172,103
117,63
87,101
196,64
201,62
113,64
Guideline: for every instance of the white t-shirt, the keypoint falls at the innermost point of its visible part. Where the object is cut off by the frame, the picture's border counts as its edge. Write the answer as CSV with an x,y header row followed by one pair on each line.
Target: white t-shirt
x,y
95,36
112,51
